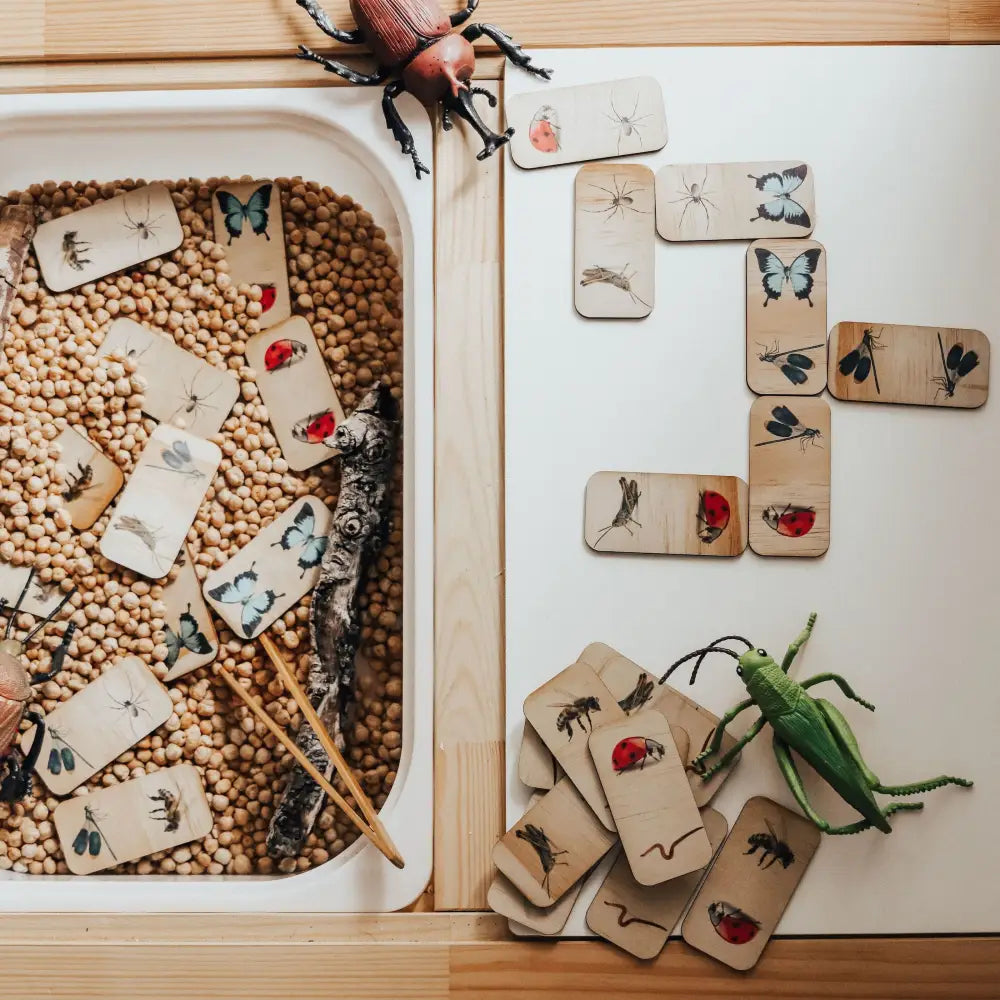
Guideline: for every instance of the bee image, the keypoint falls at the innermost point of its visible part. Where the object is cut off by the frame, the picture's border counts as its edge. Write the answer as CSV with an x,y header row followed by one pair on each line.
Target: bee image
x,y
772,846
79,482
576,711
536,836
169,812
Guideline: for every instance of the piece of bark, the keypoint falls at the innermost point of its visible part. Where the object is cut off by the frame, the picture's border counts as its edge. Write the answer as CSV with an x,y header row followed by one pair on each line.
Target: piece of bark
x,y
367,445
17,229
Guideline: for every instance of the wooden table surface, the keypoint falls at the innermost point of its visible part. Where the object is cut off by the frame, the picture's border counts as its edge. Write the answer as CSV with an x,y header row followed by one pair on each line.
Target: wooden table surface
x,y
154,44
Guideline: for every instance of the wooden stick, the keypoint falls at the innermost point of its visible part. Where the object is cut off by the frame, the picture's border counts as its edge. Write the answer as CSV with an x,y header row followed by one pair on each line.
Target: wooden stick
x,y
290,746
336,757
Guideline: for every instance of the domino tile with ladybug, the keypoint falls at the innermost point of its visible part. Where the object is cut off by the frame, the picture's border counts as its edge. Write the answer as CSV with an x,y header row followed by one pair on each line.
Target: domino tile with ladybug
x,y
641,768
741,901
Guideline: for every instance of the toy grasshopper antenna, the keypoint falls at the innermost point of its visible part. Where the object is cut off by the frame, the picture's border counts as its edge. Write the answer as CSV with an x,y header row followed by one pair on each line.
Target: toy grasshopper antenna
x,y
701,653
45,621
17,607
712,645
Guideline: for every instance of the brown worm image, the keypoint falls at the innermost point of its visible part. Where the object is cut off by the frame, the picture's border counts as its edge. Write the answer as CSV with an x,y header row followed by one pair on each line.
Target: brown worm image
x,y
624,921
668,854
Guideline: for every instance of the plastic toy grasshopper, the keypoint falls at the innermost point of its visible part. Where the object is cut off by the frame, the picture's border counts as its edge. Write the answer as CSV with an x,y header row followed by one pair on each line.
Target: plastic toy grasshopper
x,y
813,728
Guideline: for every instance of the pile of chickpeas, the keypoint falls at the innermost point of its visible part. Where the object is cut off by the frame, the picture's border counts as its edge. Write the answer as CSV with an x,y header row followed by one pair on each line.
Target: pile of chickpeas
x,y
344,279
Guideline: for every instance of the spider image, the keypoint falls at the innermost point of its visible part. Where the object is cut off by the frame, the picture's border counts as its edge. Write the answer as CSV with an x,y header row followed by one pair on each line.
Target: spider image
x,y
619,201
627,125
193,403
144,228
131,706
696,194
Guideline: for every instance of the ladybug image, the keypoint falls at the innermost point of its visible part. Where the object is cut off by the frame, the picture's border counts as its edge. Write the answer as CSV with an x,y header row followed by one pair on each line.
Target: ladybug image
x,y
544,130
713,515
269,295
317,428
731,923
284,354
635,751
792,521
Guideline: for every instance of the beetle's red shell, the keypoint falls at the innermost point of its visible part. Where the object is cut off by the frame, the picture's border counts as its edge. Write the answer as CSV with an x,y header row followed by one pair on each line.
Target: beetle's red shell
x,y
395,28
732,924
316,428
713,515
15,690
628,752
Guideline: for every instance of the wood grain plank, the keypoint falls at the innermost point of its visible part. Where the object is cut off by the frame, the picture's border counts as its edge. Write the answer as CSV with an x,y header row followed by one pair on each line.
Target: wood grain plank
x,y
974,21
469,661
184,74
150,28
824,969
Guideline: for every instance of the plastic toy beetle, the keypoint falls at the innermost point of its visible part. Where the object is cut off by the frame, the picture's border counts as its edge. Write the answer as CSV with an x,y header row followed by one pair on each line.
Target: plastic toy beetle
x,y
813,728
412,41
15,693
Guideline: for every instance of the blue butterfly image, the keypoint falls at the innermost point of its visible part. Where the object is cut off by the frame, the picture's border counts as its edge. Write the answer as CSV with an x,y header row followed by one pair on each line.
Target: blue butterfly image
x,y
798,274
254,211
782,207
301,534
242,590
187,637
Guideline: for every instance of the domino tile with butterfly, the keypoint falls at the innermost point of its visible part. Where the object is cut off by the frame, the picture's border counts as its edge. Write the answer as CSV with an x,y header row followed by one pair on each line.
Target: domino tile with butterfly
x,y
590,122
131,820
790,452
295,385
191,638
735,201
107,237
158,505
99,723
181,389
666,514
90,479
249,224
274,572
920,365
614,275
786,317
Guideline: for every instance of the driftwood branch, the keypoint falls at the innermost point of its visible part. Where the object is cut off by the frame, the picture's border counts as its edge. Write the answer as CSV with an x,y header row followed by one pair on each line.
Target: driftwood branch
x,y
17,230
367,443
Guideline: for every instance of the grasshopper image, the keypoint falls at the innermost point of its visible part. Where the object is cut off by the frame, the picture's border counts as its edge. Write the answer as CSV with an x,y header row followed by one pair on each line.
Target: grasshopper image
x,y
812,727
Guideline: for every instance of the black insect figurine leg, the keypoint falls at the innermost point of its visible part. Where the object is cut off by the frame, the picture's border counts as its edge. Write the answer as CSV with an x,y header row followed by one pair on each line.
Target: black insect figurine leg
x,y
327,26
507,46
461,104
17,782
343,71
394,122
460,17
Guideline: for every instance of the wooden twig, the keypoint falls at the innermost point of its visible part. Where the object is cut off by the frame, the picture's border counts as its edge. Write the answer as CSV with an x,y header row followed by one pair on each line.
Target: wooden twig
x,y
341,765
367,445
17,230
304,762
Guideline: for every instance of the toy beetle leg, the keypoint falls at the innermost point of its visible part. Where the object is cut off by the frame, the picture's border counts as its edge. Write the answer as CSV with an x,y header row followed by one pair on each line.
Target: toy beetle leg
x,y
794,782
395,123
17,782
58,657
731,753
842,684
798,643
345,72
461,104
716,745
507,46
327,26
461,16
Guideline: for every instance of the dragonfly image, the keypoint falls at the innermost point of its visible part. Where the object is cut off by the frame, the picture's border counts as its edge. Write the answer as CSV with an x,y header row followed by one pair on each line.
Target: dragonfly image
x,y
956,366
91,837
860,362
794,365
787,427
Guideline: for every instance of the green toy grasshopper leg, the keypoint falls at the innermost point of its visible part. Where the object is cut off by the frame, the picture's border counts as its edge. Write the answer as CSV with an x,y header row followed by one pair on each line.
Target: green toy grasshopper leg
x,y
716,744
731,753
794,781
843,734
842,684
798,643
